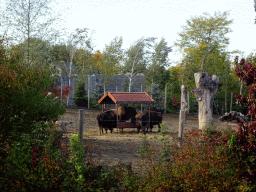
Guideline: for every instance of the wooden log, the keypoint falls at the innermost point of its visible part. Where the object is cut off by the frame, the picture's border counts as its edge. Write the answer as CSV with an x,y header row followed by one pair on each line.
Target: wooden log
x,y
81,123
206,87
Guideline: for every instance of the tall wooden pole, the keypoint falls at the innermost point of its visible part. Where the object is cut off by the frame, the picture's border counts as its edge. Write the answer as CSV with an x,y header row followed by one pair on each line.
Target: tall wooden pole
x,y
81,124
183,107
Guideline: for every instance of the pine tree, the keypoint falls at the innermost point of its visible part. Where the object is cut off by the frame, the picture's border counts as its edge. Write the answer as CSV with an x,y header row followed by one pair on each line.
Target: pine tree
x,y
157,96
81,99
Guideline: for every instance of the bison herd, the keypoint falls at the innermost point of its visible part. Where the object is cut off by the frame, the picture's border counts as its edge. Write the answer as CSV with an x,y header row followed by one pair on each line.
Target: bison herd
x,y
108,119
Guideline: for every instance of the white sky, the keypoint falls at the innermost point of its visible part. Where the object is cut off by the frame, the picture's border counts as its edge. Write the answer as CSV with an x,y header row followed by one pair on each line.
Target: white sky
x,y
133,19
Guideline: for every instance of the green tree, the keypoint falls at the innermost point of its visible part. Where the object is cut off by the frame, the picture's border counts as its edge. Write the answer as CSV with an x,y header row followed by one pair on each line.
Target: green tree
x,y
203,40
81,99
83,62
27,19
39,50
135,59
108,63
157,69
58,53
113,53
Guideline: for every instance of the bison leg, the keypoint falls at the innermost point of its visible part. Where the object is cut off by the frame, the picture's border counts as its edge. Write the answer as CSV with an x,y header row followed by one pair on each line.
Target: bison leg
x,y
133,120
101,129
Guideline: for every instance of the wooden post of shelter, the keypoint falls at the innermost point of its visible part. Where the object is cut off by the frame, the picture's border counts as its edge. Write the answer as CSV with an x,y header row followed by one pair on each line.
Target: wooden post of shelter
x,y
206,87
81,124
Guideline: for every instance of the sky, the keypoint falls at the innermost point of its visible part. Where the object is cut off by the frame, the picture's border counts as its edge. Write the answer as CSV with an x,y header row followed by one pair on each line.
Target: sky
x,y
133,19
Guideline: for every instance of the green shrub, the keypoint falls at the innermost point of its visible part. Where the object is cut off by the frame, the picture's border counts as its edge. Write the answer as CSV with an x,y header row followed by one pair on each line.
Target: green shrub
x,y
22,102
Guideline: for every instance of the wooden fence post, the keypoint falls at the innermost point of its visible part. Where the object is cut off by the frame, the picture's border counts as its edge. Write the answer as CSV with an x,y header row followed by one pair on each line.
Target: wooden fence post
x,y
181,123
81,124
183,100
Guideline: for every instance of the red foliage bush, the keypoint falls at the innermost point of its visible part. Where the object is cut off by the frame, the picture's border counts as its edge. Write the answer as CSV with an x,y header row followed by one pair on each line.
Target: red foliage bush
x,y
245,143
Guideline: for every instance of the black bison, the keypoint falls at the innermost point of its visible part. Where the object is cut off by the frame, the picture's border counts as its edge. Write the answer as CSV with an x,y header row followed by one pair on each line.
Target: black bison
x,y
107,120
142,120
126,113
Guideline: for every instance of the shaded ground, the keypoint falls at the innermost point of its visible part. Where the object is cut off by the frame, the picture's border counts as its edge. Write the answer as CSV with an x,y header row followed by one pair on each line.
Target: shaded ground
x,y
122,146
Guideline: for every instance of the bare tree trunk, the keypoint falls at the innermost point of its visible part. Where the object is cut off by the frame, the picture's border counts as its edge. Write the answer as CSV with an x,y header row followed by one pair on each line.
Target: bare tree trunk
x,y
206,88
183,100
241,87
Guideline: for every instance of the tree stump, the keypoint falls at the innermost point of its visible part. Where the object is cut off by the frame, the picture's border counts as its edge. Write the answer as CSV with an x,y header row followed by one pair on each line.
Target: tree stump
x,y
206,87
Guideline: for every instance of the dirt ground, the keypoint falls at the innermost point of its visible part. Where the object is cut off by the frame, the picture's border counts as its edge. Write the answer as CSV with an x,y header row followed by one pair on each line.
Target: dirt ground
x,y
110,148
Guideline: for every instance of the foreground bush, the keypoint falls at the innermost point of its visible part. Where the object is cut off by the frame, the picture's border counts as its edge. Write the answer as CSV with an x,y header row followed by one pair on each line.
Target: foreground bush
x,y
22,102
47,161
53,163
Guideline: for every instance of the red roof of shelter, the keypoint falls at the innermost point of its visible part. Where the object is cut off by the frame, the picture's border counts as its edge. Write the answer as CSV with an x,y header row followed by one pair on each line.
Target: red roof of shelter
x,y
125,97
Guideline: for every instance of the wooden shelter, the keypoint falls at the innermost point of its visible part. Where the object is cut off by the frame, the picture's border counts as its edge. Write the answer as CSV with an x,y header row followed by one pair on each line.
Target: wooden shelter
x,y
125,98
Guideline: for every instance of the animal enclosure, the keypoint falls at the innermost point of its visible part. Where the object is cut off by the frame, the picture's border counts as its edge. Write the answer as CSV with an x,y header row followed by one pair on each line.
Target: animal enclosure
x,y
112,147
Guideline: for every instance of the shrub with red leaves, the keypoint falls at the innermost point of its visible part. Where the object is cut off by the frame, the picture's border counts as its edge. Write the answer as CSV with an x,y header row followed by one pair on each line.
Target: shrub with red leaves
x,y
245,135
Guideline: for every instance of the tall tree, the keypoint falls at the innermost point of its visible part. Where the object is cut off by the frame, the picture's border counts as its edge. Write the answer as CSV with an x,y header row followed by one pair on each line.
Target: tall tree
x,y
29,18
203,37
203,42
76,40
135,60
157,69
113,53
